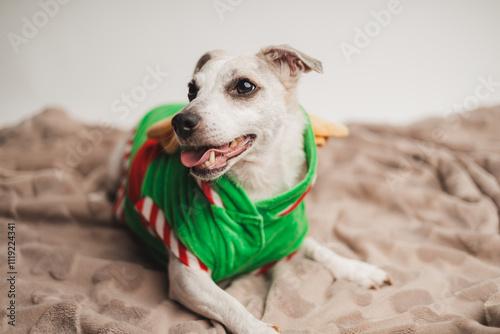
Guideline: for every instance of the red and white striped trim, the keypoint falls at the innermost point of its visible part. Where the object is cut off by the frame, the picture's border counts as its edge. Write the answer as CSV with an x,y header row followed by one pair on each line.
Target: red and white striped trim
x,y
119,205
145,208
210,193
159,227
153,217
126,152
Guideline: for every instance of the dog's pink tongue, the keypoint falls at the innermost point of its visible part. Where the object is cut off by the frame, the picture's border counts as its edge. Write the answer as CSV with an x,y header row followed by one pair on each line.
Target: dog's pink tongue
x,y
192,158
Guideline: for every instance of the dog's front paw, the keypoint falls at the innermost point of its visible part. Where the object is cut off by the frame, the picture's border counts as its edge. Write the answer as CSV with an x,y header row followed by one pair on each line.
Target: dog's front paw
x,y
366,275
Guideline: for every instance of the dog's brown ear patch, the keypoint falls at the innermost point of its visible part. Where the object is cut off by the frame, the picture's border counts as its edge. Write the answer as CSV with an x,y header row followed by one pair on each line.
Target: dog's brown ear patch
x,y
163,131
293,59
207,57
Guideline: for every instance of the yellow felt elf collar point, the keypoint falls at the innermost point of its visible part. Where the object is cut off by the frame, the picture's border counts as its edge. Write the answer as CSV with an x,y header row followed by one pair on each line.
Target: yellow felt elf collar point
x,y
163,132
324,129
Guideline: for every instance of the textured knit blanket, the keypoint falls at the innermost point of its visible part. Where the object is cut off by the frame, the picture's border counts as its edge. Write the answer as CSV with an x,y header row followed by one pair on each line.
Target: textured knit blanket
x,y
421,201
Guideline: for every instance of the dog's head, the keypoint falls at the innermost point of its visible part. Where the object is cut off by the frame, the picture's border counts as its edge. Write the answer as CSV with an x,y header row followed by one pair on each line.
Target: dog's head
x,y
237,106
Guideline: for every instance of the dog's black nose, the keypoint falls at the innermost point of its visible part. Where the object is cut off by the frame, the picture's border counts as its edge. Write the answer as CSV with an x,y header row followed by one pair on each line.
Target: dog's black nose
x,y
185,123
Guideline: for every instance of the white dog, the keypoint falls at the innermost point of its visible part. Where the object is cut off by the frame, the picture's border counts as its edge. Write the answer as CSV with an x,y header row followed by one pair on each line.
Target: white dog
x,y
243,129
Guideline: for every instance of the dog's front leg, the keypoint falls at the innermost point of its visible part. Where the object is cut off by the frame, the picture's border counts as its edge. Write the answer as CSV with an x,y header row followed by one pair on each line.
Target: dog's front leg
x,y
197,291
366,275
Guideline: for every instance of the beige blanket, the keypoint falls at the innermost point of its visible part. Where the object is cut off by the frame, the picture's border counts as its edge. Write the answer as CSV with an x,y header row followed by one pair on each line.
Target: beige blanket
x,y
421,201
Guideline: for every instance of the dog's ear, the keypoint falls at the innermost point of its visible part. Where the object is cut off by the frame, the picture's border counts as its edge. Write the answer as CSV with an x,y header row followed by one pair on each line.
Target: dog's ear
x,y
288,61
209,56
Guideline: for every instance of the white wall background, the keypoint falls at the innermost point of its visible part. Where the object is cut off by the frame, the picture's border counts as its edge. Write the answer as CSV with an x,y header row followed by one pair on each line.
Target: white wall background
x,y
428,60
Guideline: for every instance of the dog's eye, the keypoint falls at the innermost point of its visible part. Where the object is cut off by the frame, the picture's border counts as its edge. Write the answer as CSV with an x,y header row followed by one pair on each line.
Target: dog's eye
x,y
245,87
192,91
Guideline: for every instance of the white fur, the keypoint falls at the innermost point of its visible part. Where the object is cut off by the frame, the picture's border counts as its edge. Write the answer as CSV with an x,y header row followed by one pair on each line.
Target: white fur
x,y
195,289
273,164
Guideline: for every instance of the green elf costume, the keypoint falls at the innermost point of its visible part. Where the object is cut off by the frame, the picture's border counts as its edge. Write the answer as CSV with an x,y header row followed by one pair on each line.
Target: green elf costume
x,y
213,226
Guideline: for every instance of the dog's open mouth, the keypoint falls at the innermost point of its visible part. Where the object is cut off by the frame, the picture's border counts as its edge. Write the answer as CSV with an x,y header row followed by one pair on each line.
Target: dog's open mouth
x,y
211,158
